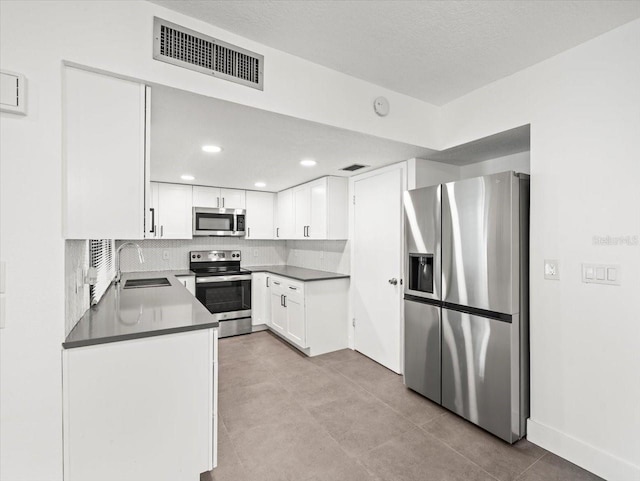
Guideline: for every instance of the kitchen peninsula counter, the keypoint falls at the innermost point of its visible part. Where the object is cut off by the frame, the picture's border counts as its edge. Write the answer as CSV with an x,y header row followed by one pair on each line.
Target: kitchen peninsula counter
x,y
124,314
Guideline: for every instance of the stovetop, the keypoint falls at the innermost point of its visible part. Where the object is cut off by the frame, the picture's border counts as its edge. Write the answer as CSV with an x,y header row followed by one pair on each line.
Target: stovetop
x,y
219,271
216,263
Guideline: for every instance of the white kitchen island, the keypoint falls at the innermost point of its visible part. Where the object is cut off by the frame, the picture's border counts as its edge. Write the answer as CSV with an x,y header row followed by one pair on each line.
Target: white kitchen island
x,y
140,387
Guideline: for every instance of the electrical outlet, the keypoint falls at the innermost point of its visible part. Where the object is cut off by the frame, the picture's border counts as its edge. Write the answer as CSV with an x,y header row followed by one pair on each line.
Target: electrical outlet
x,y
165,255
255,252
552,269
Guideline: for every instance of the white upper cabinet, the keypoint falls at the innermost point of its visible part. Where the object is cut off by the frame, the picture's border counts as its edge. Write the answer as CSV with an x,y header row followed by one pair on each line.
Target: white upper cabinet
x,y
285,227
260,215
105,156
233,199
170,207
216,197
316,210
206,196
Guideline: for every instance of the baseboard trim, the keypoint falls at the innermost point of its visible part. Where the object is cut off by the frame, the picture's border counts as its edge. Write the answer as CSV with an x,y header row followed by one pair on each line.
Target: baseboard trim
x,y
259,327
578,452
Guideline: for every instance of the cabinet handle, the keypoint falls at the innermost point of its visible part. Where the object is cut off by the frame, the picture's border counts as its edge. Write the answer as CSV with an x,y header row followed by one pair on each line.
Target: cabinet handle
x,y
153,220
267,281
293,288
248,230
223,202
217,201
277,231
276,283
284,304
281,300
161,231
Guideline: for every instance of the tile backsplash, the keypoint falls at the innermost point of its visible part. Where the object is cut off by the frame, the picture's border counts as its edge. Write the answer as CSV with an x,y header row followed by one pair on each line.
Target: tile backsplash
x,y
76,261
326,255
160,254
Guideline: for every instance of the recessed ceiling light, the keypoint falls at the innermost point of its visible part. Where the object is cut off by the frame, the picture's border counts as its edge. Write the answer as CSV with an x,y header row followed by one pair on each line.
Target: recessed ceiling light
x,y
187,177
260,184
308,162
211,149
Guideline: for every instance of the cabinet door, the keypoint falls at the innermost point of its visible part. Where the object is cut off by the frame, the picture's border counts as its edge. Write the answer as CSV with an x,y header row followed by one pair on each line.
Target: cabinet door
x,y
285,223
206,197
259,293
296,323
302,210
174,211
189,282
317,220
260,206
278,311
153,231
104,127
233,198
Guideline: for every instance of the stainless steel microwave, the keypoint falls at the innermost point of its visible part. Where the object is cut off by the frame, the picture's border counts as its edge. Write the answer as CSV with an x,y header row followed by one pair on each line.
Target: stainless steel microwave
x,y
218,222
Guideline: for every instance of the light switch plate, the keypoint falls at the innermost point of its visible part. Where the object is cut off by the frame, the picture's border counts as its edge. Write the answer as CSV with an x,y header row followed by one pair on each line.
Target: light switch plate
x,y
552,269
608,274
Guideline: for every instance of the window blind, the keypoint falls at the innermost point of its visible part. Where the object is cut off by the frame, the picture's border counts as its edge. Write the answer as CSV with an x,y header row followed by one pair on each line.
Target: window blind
x,y
101,253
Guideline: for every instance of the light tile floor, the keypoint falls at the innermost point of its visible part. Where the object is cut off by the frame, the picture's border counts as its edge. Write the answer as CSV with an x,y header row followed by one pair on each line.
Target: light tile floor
x,y
343,417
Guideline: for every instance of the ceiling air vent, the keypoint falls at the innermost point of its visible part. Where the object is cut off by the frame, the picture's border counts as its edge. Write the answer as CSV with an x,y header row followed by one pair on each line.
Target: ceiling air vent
x,y
189,49
354,167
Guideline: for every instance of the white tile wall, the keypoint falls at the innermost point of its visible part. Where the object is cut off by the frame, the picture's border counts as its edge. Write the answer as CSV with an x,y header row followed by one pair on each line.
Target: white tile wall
x,y
323,255
332,256
254,252
76,258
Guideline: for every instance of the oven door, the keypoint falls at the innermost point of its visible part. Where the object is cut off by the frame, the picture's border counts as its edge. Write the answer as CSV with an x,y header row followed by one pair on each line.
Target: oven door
x,y
226,297
215,222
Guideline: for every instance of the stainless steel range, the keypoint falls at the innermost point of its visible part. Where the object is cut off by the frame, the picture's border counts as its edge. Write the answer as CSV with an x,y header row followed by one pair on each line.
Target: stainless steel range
x,y
224,289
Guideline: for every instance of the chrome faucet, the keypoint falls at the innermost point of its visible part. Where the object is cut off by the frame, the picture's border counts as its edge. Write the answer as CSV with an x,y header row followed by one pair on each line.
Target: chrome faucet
x,y
140,257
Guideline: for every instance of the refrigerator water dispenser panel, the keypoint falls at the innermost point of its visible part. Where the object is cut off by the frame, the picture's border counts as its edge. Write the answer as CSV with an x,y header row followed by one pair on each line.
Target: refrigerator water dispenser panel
x,y
421,272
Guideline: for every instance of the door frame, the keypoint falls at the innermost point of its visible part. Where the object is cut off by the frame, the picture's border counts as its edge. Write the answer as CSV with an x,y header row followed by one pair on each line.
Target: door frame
x,y
402,166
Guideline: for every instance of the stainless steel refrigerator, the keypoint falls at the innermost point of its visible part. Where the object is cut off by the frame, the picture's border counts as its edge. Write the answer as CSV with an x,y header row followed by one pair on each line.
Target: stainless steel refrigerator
x,y
466,299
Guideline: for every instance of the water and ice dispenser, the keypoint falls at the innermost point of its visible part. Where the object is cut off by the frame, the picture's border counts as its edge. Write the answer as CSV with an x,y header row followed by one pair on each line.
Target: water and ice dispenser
x,y
421,272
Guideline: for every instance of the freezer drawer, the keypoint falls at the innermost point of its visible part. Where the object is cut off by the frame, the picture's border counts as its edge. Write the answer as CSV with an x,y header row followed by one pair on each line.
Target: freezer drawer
x,y
422,348
480,372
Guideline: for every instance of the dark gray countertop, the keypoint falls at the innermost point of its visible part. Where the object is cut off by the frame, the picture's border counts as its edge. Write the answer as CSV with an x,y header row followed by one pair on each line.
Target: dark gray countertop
x,y
124,314
298,273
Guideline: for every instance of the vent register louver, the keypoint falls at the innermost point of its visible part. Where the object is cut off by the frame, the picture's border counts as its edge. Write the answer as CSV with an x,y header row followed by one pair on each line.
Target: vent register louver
x,y
189,49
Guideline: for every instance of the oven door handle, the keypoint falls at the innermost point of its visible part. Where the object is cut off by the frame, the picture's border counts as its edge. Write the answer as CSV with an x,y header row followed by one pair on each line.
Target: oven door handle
x,y
208,280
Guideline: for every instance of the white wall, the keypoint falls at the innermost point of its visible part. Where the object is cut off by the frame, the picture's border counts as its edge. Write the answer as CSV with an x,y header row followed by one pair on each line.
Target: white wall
x,y
584,111
518,162
35,37
424,173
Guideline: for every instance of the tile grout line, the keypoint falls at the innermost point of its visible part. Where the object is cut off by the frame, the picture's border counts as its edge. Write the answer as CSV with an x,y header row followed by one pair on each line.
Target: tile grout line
x,y
532,465
458,452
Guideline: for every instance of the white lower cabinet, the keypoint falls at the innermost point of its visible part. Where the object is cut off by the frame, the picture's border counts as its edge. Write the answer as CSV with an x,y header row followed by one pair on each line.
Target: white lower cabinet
x,y
141,409
189,282
313,316
260,299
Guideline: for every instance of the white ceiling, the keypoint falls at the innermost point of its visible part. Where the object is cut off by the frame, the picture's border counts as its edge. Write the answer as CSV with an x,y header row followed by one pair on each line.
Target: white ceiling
x,y
431,50
258,145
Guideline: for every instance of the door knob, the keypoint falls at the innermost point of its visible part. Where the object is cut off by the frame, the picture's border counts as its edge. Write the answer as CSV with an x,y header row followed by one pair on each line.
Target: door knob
x,y
393,281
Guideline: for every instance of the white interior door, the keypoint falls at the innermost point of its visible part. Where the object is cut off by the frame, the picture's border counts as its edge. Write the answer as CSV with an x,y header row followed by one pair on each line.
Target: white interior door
x,y
377,261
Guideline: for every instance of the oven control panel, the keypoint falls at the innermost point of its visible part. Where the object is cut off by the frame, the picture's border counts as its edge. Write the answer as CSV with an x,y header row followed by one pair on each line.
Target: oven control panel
x,y
213,256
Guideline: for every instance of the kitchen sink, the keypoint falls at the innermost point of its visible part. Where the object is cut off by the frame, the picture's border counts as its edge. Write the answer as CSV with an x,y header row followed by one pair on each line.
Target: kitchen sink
x,y
138,283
